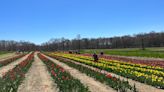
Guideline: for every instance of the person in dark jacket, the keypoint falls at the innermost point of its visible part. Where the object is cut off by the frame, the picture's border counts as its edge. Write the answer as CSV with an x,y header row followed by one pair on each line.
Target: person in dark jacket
x,y
101,53
95,57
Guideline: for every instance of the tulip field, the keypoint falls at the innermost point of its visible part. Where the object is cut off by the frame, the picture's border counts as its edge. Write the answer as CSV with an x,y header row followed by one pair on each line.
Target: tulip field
x,y
64,72
64,80
146,74
158,63
12,79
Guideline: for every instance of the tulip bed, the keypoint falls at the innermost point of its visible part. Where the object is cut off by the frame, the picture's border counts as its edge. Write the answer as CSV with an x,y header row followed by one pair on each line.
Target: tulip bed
x,y
65,82
13,78
157,63
137,67
115,83
7,61
146,74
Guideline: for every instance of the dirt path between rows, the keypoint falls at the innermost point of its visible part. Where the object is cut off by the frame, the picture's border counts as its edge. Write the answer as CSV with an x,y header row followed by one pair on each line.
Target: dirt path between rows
x,y
93,85
141,87
6,56
38,79
10,66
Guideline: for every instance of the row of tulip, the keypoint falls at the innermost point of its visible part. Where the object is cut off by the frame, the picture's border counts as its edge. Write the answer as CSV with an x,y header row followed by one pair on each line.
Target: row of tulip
x,y
118,61
144,75
13,78
135,67
153,62
115,83
65,82
8,61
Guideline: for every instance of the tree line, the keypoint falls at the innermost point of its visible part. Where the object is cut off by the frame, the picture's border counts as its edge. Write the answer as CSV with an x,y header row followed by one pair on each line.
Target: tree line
x,y
142,40
10,45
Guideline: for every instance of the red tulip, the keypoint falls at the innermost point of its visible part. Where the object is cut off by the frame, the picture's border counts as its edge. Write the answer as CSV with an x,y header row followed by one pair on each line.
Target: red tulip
x,y
109,76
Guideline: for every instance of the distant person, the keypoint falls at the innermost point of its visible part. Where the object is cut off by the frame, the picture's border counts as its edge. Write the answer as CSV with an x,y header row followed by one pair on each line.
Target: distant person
x,y
70,52
77,52
101,53
95,57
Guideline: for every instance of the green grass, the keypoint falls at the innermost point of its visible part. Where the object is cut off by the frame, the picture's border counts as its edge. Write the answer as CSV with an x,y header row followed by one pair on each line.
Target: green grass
x,y
4,52
149,52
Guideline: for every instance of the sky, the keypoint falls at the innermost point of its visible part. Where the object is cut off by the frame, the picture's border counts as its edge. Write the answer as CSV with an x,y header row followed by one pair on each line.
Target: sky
x,y
40,20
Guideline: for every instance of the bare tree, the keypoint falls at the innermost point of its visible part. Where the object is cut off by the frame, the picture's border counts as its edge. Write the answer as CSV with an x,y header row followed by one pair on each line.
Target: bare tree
x,y
141,40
